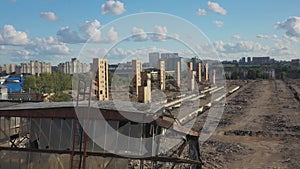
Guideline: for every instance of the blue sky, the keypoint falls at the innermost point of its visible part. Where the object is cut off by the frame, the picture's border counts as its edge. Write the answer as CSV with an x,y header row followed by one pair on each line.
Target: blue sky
x,y
55,31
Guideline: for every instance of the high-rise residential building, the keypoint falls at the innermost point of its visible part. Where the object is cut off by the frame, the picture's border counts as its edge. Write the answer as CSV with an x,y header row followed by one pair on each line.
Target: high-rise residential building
x,y
162,74
73,66
242,60
248,59
35,67
153,59
261,60
170,60
100,69
137,69
295,61
9,68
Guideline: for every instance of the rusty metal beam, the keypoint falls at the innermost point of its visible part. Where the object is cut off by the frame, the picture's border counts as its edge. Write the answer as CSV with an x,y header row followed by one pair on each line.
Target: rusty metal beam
x,y
105,154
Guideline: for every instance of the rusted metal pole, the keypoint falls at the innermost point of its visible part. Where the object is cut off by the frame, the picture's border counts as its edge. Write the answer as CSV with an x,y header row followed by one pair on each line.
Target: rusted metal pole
x,y
87,125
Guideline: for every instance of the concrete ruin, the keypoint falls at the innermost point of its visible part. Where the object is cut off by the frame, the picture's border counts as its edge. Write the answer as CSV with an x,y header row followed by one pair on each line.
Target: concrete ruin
x,y
213,80
100,69
199,70
206,72
191,77
144,95
177,73
162,74
136,68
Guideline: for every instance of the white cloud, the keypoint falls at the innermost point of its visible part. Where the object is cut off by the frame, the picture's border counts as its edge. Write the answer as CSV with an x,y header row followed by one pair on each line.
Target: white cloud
x,y
124,55
50,16
65,35
14,54
242,46
48,46
261,36
23,54
215,7
236,37
219,23
291,25
91,30
160,33
201,12
111,35
291,38
9,36
138,34
281,48
114,7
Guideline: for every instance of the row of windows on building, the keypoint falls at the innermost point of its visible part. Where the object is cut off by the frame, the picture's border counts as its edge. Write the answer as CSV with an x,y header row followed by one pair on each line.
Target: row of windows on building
x,y
37,67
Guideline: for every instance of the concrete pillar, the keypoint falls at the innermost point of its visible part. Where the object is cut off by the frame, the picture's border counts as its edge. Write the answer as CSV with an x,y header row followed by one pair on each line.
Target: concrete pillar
x,y
162,74
206,71
214,77
199,72
191,80
144,95
177,73
191,77
190,66
137,68
100,69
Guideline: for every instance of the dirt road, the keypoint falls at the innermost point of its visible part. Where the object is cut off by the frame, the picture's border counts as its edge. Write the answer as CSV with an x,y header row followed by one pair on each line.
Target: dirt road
x,y
260,129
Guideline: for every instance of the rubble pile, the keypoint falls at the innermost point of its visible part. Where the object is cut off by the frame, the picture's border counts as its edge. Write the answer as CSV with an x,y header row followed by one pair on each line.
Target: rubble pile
x,y
276,122
216,151
246,133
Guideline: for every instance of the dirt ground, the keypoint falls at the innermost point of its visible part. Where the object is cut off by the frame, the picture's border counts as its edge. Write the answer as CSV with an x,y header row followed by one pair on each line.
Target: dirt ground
x,y
260,128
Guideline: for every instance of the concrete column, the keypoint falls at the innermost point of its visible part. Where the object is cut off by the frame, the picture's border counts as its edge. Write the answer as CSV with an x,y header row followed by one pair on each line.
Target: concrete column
x,y
206,71
137,68
144,95
214,76
199,72
177,73
191,77
190,66
162,74
191,80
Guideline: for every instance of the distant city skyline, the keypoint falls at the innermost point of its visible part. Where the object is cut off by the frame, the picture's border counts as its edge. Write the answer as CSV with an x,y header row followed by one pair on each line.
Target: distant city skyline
x,y
56,31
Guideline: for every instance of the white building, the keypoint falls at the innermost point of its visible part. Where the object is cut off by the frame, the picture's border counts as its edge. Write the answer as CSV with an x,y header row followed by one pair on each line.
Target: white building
x,y
74,66
35,67
8,68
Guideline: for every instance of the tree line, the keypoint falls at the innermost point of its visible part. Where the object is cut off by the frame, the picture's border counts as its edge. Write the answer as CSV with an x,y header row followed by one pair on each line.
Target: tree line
x,y
55,82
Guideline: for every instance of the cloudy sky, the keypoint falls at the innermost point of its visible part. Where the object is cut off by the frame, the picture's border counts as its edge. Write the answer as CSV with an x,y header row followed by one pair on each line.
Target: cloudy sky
x,y
57,30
